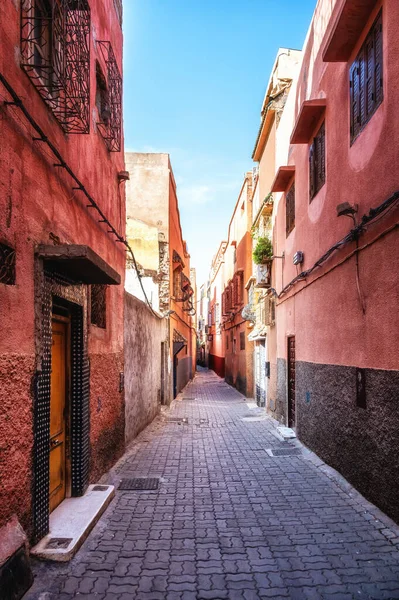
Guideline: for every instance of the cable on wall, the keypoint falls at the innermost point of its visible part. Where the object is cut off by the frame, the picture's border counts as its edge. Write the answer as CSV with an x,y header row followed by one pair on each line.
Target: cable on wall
x,y
373,215
61,163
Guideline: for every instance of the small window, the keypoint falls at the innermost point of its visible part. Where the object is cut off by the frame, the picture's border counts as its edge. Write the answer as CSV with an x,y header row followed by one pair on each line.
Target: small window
x,y
290,210
366,86
227,342
7,265
102,97
217,313
177,279
99,305
242,340
317,162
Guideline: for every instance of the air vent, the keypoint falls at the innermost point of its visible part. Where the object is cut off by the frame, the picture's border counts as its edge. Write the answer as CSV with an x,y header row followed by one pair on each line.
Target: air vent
x,y
139,483
279,452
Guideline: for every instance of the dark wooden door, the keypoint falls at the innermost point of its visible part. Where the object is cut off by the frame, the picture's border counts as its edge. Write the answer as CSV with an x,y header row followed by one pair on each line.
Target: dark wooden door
x,y
291,381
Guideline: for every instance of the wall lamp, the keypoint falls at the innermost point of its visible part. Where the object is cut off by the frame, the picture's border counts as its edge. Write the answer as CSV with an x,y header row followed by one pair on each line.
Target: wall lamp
x,y
297,259
123,176
347,210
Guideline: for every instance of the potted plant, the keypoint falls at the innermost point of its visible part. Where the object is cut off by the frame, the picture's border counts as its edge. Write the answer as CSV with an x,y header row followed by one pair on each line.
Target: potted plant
x,y
263,251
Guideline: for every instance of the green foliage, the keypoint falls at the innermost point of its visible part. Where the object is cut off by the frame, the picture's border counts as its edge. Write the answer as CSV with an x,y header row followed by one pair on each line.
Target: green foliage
x,y
263,250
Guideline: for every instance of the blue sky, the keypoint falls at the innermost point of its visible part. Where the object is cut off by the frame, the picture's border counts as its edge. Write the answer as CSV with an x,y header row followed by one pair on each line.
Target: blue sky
x,y
195,73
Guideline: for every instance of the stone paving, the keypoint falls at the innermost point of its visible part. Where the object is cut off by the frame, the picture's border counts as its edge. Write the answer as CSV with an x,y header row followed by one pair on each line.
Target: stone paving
x,y
228,520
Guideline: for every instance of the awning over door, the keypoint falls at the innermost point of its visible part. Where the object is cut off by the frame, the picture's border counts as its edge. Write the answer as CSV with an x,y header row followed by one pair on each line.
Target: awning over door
x,y
79,263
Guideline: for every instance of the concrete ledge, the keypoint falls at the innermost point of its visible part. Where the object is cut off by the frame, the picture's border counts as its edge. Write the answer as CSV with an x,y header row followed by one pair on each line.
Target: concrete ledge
x,y
71,523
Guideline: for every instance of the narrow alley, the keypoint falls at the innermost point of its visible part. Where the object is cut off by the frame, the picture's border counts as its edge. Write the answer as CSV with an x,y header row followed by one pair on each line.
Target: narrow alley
x,y
228,519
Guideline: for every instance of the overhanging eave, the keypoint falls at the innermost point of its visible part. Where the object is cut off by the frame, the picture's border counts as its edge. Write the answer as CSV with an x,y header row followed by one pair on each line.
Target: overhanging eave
x,y
78,263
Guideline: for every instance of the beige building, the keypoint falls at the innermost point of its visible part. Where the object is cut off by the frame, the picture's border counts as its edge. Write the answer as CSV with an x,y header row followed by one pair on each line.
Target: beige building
x,y
167,282
261,308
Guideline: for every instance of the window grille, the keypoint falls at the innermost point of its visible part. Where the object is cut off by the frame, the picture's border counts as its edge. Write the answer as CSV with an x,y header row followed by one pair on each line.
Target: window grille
x,y
111,127
290,210
55,54
99,305
177,284
7,265
317,162
366,84
242,340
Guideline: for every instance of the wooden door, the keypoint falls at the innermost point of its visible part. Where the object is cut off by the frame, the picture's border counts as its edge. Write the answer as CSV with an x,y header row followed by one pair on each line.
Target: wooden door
x,y
58,413
291,381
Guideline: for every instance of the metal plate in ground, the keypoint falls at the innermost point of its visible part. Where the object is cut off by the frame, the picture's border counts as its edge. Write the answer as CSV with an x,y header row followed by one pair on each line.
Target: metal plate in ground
x,y
139,483
56,543
100,488
277,452
177,420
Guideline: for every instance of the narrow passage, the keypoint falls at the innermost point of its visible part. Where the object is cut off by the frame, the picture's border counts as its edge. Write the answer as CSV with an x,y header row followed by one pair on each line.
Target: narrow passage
x,y
228,520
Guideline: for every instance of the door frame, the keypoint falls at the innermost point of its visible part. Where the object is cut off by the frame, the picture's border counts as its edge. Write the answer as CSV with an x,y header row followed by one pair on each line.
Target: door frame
x,y
51,288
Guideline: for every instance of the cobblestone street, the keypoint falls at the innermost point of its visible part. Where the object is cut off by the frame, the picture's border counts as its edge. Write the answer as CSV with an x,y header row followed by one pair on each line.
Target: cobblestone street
x,y
228,520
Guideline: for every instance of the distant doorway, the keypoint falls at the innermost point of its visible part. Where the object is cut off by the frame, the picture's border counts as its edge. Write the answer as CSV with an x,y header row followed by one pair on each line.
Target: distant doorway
x,y
291,381
260,373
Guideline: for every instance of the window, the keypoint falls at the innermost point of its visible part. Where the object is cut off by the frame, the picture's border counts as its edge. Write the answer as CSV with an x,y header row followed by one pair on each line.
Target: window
x,y
290,210
111,100
242,340
102,97
55,54
317,162
7,265
227,342
217,313
177,283
99,305
366,86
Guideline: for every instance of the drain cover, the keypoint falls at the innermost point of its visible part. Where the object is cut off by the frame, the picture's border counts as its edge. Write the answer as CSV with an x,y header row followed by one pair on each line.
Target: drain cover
x,y
56,543
100,488
139,483
177,420
284,451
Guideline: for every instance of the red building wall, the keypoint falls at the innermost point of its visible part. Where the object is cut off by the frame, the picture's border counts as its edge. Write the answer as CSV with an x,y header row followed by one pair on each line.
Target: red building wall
x,y
37,205
333,335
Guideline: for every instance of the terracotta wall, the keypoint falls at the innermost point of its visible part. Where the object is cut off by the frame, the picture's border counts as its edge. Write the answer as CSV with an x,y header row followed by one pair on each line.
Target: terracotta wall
x,y
144,335
38,204
334,335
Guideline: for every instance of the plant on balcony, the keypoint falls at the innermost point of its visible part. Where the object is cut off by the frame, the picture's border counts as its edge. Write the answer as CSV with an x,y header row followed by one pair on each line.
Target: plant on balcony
x,y
263,251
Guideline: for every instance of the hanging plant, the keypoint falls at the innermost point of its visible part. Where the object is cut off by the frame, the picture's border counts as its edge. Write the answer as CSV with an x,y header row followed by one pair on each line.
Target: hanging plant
x,y
263,251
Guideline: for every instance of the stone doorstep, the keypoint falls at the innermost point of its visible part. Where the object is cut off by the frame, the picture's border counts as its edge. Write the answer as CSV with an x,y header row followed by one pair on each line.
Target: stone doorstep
x,y
71,523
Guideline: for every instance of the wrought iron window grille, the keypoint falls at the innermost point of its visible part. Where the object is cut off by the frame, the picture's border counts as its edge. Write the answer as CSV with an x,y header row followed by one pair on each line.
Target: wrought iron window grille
x,y
55,54
110,124
7,265
99,305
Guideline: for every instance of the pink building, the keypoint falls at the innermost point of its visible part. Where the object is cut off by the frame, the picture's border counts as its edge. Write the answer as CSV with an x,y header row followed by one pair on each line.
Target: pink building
x,y
62,213
230,351
335,222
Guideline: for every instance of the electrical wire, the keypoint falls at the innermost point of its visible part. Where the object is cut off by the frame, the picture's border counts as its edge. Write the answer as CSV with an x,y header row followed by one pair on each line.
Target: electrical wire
x,y
373,215
17,102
